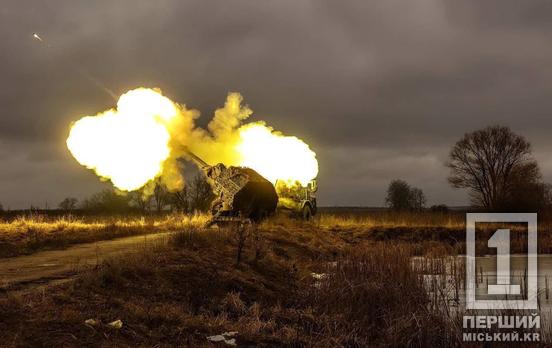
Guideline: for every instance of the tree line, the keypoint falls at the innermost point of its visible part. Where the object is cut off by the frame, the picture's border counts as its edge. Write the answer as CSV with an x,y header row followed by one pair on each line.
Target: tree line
x,y
195,196
497,168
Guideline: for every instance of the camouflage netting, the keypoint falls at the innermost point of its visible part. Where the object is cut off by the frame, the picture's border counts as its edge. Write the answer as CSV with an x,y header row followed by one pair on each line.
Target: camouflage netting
x,y
258,197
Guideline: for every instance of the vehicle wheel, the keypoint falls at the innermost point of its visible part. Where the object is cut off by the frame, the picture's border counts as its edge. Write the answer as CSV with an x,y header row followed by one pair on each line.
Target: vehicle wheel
x,y
307,213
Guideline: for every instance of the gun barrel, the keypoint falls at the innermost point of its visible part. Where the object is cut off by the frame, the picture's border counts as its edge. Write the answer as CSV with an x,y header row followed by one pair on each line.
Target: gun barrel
x,y
200,163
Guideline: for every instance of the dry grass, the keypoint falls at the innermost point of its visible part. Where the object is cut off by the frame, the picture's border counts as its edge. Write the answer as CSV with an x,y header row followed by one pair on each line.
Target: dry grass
x,y
172,295
427,231
392,219
27,234
180,293
298,284
379,300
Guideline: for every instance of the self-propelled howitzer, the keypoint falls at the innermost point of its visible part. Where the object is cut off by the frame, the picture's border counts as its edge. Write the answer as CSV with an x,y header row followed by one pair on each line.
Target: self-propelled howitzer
x,y
241,193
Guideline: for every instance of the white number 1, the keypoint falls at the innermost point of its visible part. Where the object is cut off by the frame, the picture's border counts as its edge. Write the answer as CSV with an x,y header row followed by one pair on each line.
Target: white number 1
x,y
501,241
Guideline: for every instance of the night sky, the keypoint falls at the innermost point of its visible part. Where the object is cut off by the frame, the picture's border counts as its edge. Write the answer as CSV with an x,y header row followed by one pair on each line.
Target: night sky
x,y
379,89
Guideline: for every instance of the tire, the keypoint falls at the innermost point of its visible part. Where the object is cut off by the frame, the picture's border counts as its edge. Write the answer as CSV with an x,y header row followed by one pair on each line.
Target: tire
x,y
307,213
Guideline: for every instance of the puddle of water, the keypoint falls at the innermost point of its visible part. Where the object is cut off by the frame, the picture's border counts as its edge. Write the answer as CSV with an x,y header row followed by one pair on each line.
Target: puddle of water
x,y
444,278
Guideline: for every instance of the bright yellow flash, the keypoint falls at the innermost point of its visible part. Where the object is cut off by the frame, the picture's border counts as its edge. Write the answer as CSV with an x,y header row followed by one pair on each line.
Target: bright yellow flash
x,y
275,156
127,145
143,137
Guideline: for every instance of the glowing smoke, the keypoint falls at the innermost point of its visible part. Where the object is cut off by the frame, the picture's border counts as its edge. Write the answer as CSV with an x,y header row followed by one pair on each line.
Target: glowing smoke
x,y
275,156
127,145
143,138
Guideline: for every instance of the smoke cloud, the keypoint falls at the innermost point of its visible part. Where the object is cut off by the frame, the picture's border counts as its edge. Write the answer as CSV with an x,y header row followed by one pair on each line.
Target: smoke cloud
x,y
143,140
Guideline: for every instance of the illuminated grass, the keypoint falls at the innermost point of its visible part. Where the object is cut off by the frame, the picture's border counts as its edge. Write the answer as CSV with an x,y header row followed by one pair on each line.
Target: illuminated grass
x,y
27,234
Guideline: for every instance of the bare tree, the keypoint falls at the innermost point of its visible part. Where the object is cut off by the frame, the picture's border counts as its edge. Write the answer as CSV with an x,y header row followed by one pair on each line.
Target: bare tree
x,y
490,163
179,200
140,200
200,193
398,195
68,204
526,192
197,195
160,196
417,199
107,201
401,196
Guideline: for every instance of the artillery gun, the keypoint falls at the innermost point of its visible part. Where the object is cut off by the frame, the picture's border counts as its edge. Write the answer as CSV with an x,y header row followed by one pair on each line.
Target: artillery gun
x,y
242,194
298,199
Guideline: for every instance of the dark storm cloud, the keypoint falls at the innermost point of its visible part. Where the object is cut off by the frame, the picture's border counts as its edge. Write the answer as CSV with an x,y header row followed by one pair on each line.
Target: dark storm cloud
x,y
502,14
380,89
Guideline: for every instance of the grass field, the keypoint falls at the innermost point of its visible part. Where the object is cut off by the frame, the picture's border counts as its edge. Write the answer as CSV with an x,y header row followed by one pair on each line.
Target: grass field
x,y
339,280
430,232
305,287
29,233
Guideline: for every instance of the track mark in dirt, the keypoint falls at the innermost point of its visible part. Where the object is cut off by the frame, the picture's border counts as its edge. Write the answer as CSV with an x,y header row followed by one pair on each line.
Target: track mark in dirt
x,y
57,266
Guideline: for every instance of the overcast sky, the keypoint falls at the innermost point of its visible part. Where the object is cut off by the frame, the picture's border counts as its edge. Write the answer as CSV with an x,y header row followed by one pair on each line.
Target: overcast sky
x,y
379,89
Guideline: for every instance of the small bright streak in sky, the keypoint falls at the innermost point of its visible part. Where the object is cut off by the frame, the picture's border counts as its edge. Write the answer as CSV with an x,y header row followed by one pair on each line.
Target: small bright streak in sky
x,y
35,35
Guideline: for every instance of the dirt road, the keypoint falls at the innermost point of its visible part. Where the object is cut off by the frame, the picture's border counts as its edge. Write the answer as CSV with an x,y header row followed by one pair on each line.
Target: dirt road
x,y
55,266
